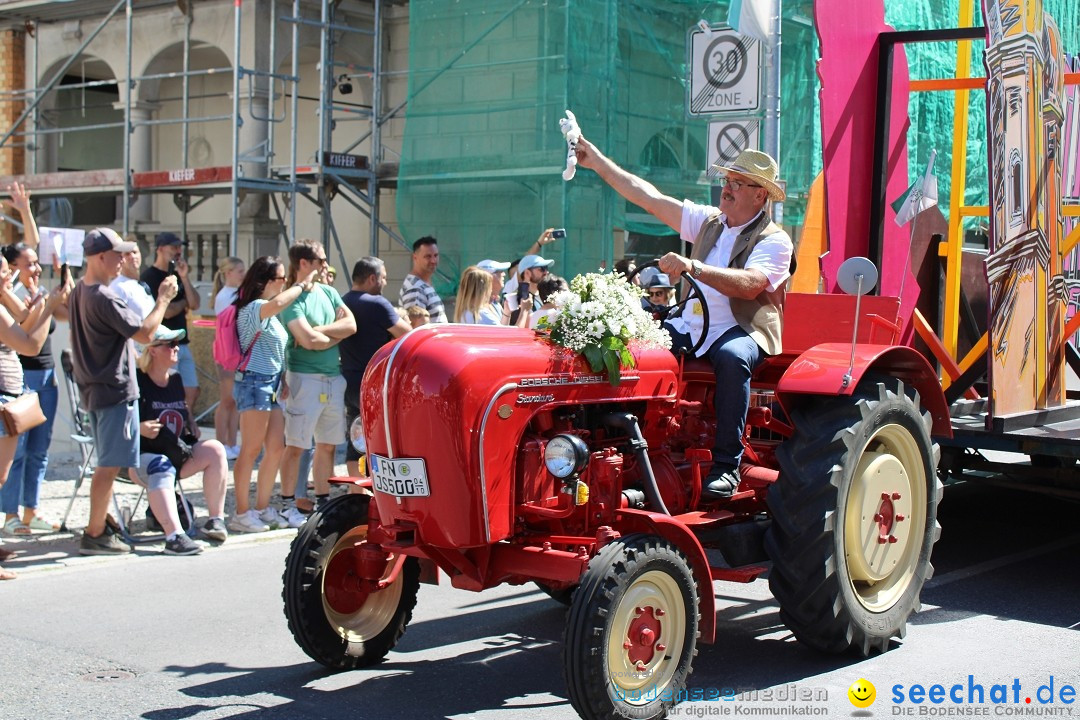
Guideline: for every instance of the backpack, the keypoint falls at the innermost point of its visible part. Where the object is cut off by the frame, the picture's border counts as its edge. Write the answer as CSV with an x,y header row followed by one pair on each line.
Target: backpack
x,y
227,351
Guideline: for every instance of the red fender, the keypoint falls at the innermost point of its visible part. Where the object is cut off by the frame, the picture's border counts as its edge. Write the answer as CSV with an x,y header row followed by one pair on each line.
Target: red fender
x,y
821,370
650,523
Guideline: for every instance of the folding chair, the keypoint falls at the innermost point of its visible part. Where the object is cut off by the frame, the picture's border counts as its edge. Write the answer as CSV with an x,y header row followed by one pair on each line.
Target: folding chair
x,y
85,440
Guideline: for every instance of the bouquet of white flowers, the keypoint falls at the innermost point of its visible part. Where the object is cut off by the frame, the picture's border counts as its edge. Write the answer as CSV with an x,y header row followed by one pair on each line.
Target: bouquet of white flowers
x,y
598,317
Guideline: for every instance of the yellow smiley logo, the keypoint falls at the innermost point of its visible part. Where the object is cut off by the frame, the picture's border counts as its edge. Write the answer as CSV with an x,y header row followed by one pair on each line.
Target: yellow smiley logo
x,y
862,693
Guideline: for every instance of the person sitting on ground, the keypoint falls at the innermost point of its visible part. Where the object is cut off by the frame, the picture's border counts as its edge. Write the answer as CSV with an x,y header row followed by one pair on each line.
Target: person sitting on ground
x,y
546,288
170,440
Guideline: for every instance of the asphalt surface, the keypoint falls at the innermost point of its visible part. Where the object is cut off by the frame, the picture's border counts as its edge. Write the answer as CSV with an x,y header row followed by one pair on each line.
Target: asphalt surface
x,y
165,638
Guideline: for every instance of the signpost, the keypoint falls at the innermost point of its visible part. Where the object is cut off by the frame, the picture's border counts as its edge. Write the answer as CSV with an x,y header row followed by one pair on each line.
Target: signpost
x,y
730,136
725,73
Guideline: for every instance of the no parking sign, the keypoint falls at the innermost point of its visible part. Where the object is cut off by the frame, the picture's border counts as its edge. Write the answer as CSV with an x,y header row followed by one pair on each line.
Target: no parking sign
x,y
729,137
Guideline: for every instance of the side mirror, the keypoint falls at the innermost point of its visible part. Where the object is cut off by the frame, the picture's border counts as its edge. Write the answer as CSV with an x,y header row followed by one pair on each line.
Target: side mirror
x,y
857,276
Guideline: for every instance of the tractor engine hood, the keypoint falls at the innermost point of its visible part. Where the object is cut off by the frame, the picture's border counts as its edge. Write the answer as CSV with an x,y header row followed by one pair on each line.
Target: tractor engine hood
x,y
459,397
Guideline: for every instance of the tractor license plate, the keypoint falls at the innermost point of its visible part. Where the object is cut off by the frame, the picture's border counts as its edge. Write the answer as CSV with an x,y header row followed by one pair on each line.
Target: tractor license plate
x,y
404,477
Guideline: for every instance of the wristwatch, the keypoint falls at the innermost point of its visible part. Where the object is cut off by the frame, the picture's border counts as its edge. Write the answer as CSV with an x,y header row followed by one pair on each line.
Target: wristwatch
x,y
696,268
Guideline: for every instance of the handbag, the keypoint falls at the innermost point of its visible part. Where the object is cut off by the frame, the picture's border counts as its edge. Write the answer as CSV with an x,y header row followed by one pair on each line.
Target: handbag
x,y
21,414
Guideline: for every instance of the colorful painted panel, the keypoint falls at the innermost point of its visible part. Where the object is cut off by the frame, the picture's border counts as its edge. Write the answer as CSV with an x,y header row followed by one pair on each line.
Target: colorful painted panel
x,y
1025,89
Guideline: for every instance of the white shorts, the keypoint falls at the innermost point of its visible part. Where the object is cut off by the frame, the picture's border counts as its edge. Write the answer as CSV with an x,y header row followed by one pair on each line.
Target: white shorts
x,y
314,409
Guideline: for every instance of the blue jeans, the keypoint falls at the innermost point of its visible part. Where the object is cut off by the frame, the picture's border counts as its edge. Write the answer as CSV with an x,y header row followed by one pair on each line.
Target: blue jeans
x,y
32,453
733,356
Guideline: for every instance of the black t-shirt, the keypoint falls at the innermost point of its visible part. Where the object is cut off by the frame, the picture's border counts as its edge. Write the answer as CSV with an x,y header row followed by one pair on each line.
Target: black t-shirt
x,y
164,404
44,359
374,317
153,277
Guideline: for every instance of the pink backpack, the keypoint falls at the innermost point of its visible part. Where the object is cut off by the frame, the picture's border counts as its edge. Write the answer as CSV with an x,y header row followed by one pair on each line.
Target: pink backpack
x,y
227,351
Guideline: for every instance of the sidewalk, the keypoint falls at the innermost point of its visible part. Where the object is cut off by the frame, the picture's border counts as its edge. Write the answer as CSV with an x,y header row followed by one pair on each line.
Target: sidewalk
x,y
42,552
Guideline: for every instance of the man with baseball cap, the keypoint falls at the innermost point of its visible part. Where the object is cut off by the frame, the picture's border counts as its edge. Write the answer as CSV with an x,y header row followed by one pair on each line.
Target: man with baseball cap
x,y
169,262
742,261
103,356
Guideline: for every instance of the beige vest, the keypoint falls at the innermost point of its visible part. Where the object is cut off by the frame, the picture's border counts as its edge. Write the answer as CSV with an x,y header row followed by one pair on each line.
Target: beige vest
x,y
762,317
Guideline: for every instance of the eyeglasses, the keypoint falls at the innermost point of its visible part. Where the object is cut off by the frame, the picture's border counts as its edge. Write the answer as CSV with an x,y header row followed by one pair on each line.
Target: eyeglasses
x,y
736,185
171,344
658,293
278,277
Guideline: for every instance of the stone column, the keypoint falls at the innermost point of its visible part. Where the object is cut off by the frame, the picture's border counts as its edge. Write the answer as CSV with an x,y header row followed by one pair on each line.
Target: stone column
x,y
253,136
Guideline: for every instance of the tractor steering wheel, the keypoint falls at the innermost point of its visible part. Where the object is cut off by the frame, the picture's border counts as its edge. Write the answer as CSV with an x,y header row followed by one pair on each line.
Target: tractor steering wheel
x,y
693,292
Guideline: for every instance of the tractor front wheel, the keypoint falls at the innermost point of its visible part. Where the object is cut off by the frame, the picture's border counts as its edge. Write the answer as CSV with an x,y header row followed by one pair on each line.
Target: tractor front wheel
x,y
334,617
632,630
854,518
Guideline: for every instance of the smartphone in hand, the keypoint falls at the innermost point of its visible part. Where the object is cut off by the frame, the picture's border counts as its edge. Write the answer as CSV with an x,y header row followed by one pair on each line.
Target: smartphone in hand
x,y
172,266
65,274
558,233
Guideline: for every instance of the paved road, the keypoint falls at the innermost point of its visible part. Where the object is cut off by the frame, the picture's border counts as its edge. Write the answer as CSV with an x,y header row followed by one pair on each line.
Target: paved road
x,y
204,637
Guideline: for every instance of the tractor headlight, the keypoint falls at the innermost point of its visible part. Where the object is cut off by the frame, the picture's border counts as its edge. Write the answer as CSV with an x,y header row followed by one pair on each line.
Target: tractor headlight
x,y
566,455
356,435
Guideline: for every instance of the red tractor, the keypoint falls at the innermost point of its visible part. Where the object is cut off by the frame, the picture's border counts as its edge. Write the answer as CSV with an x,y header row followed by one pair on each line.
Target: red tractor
x,y
498,457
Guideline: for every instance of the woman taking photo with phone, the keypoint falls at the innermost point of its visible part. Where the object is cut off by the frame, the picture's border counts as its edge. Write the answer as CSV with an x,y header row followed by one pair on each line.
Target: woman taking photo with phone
x,y
39,375
23,329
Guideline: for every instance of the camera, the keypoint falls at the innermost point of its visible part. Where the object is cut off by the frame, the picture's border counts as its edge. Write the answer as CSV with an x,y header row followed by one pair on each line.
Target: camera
x,y
559,233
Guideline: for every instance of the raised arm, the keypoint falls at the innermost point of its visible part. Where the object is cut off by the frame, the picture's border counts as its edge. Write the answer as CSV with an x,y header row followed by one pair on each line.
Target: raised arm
x,y
166,292
642,193
20,198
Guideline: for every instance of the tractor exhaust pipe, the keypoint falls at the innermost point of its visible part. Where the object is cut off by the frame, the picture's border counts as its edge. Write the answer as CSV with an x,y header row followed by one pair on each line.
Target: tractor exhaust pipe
x,y
629,424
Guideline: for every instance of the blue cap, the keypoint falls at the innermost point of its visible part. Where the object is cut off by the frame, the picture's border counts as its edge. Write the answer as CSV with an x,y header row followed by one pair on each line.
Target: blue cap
x,y
167,238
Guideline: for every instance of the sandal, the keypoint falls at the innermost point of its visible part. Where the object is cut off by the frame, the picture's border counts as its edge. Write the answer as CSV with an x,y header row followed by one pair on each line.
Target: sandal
x,y
40,523
15,526
7,574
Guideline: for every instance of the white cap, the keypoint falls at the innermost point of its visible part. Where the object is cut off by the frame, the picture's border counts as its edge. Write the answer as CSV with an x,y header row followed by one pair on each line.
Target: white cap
x,y
493,266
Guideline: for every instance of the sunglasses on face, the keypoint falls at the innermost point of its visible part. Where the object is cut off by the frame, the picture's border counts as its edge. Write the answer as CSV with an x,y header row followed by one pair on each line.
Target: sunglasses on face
x,y
173,344
736,185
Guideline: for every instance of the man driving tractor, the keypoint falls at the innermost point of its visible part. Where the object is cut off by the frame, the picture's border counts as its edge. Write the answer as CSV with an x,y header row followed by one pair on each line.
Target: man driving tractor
x,y
742,261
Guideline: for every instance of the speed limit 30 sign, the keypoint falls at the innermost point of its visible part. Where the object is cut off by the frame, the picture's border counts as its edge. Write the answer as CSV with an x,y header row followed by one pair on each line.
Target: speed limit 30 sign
x,y
725,73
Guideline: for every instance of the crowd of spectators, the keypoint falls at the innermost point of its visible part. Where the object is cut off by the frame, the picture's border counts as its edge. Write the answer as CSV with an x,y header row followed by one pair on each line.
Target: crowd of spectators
x,y
284,403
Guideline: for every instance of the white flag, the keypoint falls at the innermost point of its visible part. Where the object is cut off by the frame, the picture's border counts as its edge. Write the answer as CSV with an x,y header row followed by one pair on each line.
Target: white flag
x,y
922,195
750,18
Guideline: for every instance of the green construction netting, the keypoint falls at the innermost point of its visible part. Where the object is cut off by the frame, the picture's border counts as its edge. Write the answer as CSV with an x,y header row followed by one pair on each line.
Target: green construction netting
x,y
488,80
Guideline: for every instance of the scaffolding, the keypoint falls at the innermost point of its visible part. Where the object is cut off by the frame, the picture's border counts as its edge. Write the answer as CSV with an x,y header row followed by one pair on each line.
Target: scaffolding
x,y
263,99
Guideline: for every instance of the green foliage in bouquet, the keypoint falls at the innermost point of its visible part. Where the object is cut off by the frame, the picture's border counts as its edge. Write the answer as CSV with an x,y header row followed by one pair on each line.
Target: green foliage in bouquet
x,y
599,317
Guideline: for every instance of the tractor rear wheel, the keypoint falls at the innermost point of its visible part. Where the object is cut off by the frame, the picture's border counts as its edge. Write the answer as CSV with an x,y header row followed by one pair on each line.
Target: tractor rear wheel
x,y
854,518
632,629
333,618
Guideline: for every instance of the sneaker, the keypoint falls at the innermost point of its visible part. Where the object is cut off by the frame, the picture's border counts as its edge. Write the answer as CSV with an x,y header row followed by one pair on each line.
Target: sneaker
x,y
232,452
273,518
182,545
214,529
294,517
104,544
248,522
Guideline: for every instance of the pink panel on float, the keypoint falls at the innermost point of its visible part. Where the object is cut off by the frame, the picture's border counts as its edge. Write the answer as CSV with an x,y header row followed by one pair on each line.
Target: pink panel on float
x,y
848,72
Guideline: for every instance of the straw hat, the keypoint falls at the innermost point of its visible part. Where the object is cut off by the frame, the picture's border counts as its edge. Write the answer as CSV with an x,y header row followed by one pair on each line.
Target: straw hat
x,y
757,165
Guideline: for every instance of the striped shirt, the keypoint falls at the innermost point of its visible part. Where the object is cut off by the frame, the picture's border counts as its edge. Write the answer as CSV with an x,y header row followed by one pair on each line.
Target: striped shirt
x,y
416,292
268,355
